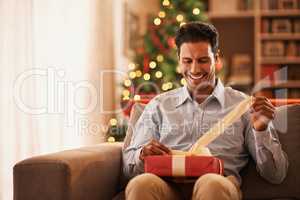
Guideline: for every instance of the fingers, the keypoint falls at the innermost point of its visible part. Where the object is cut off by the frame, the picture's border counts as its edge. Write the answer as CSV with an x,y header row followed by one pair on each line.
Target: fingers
x,y
156,151
262,100
152,150
265,110
262,106
155,148
262,114
161,146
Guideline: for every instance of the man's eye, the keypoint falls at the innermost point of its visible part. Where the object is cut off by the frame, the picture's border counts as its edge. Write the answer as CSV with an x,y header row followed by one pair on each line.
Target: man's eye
x,y
203,61
187,61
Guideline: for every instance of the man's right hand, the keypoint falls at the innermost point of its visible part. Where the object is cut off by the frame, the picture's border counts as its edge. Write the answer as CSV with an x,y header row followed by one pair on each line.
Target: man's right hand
x,y
154,148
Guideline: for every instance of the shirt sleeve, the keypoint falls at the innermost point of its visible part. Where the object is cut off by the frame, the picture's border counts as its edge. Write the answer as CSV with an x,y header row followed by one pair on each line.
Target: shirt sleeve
x,y
145,129
265,149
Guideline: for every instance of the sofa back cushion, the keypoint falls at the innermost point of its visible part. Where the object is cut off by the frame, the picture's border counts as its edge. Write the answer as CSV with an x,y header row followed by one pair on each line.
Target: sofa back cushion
x,y
136,112
287,124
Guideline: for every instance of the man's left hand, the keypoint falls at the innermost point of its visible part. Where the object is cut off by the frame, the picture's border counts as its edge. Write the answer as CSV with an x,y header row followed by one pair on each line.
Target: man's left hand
x,y
262,113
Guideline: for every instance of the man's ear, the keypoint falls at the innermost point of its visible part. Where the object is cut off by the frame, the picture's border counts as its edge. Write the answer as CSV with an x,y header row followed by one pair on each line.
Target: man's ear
x,y
217,56
218,61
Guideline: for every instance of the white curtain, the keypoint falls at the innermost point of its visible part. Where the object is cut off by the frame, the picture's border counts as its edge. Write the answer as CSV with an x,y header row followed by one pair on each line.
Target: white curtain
x,y
51,55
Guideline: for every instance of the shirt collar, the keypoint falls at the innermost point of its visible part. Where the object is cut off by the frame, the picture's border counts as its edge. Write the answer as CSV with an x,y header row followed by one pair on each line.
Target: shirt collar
x,y
183,96
218,93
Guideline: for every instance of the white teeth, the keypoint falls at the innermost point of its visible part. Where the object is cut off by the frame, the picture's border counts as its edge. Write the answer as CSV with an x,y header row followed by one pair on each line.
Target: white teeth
x,y
196,77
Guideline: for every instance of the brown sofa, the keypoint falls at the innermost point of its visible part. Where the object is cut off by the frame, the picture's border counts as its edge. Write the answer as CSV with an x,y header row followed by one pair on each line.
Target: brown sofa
x,y
95,172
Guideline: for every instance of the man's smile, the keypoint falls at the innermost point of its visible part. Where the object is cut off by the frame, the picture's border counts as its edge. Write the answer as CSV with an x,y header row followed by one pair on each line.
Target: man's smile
x,y
196,77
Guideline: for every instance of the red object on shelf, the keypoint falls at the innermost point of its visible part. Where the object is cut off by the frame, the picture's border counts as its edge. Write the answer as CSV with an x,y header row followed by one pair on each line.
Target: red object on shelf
x,y
183,166
280,102
269,71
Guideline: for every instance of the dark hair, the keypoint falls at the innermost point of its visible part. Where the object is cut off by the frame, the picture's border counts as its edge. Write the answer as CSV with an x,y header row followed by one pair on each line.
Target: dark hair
x,y
196,32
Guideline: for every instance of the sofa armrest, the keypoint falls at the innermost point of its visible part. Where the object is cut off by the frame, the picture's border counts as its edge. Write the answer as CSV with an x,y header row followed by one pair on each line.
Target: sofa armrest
x,y
86,173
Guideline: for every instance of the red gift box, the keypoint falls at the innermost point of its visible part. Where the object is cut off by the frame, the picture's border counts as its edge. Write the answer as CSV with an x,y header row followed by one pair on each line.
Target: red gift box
x,y
183,166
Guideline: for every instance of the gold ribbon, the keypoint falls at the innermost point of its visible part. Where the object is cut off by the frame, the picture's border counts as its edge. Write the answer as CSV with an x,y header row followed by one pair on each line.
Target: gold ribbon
x,y
199,148
178,165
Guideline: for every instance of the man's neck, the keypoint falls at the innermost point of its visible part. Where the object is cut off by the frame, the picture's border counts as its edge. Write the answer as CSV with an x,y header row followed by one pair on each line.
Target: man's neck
x,y
200,95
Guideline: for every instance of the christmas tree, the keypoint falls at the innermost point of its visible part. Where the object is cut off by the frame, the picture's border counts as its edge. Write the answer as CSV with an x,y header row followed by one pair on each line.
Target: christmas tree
x,y
154,68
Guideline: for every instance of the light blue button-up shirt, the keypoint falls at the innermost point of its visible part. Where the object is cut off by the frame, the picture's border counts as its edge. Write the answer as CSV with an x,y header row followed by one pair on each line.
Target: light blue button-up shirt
x,y
177,121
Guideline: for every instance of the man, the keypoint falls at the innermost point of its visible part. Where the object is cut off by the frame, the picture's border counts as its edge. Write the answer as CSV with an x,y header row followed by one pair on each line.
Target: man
x,y
176,119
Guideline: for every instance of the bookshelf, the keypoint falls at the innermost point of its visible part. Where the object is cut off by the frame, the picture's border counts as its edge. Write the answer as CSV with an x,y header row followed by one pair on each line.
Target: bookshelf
x,y
246,14
279,60
280,13
289,84
268,32
279,36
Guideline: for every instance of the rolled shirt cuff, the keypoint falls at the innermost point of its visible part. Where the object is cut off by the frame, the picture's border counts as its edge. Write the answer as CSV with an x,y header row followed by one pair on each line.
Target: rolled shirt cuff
x,y
264,138
139,164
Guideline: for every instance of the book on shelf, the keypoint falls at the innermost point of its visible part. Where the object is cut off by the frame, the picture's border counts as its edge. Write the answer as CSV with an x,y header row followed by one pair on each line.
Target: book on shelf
x,y
291,49
293,73
230,6
296,25
269,71
279,4
245,4
240,71
287,4
273,4
280,93
264,4
294,93
273,49
265,26
281,26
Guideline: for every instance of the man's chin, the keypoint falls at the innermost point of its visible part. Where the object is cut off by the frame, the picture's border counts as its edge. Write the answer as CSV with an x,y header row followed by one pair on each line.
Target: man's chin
x,y
199,86
202,84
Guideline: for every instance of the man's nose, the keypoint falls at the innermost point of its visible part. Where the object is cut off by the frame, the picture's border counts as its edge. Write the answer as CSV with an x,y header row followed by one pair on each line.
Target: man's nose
x,y
195,68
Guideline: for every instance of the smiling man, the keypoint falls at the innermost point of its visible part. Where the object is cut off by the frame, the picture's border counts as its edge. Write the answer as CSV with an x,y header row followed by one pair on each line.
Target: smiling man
x,y
176,119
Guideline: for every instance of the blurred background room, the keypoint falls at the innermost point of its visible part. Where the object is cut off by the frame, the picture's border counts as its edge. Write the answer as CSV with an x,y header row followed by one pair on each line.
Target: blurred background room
x,y
72,69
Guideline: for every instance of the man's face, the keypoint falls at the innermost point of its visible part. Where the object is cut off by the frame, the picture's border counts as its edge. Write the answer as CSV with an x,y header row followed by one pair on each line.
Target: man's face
x,y
197,64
